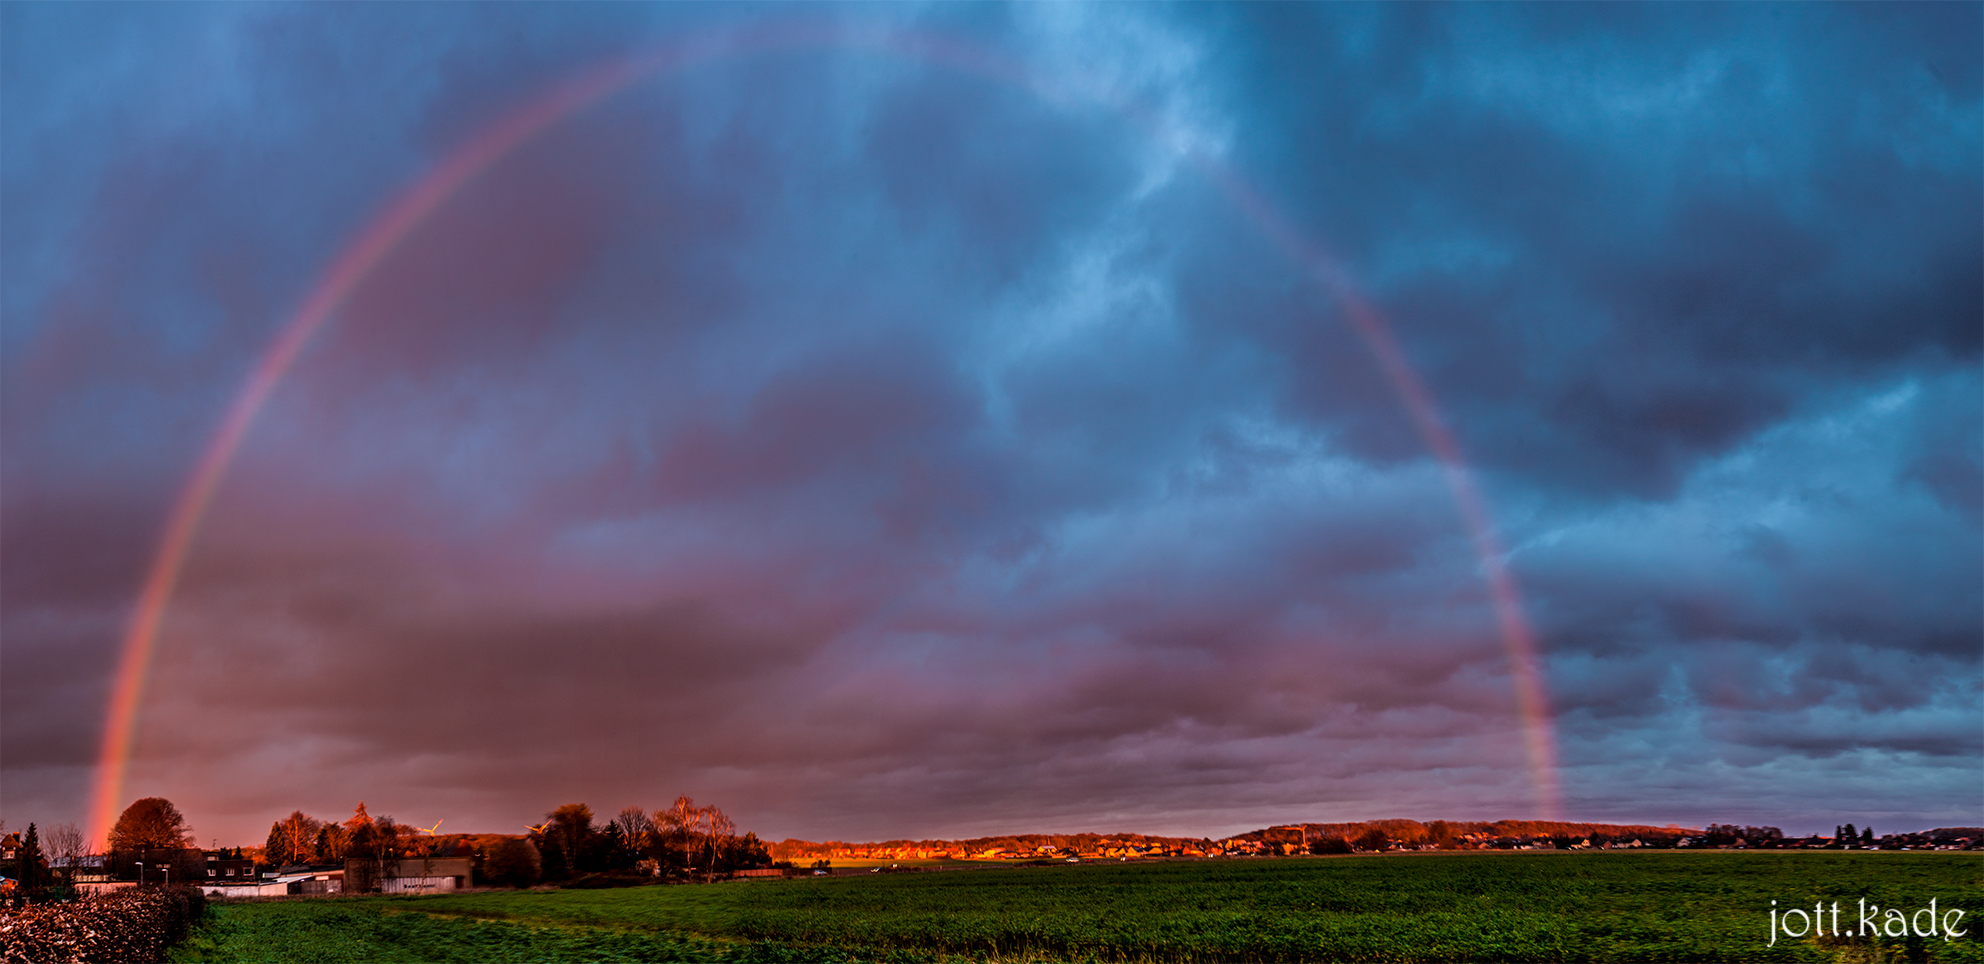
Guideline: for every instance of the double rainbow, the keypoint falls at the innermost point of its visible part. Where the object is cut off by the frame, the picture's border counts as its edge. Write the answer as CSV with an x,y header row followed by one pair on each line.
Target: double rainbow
x,y
411,208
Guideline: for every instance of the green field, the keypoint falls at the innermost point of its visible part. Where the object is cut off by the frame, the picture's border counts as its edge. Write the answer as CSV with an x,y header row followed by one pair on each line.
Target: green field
x,y
1432,907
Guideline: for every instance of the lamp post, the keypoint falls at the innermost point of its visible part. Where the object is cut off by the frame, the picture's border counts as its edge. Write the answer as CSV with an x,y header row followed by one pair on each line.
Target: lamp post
x,y
141,873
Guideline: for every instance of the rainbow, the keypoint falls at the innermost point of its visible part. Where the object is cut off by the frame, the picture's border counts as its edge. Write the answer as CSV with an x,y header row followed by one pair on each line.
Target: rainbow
x,y
414,205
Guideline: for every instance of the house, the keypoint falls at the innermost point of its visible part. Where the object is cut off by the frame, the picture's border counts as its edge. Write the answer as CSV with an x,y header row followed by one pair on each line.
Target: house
x,y
89,868
222,868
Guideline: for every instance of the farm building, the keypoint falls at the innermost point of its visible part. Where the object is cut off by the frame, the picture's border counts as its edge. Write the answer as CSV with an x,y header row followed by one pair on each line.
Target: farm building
x,y
298,881
412,875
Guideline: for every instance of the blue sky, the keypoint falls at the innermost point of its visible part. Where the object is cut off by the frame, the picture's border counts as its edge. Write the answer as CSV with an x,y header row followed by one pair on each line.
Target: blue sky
x,y
875,446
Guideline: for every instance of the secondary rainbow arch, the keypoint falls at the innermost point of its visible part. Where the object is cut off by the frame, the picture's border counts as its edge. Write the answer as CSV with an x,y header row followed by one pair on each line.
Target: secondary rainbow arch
x,y
411,208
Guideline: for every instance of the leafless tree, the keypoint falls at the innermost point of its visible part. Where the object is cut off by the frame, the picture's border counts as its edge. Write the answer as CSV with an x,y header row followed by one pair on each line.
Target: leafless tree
x,y
708,823
637,827
681,815
687,822
67,845
720,828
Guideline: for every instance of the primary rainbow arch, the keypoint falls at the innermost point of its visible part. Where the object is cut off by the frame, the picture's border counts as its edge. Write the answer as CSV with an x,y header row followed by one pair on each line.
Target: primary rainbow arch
x,y
411,208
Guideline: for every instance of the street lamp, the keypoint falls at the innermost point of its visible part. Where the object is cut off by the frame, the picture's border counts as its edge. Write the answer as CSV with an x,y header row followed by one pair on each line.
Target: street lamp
x,y
141,873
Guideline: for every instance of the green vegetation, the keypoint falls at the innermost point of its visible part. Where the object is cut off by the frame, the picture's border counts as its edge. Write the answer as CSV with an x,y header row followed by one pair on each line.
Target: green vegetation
x,y
1433,907
328,930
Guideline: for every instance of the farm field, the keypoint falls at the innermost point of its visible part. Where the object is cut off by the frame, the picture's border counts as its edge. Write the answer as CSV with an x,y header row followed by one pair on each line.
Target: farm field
x,y
1432,907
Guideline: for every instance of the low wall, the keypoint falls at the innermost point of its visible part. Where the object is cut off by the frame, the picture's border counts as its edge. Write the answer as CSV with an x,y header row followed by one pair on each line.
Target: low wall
x,y
244,891
104,886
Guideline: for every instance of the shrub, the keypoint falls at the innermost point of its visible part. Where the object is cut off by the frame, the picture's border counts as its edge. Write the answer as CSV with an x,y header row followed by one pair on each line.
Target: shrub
x,y
514,863
127,925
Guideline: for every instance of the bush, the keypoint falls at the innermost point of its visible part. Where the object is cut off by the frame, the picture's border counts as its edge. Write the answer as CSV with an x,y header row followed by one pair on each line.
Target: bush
x,y
514,863
127,925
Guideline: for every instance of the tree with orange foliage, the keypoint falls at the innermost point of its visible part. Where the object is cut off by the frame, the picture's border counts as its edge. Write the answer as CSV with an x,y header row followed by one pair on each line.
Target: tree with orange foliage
x,y
293,840
704,828
375,844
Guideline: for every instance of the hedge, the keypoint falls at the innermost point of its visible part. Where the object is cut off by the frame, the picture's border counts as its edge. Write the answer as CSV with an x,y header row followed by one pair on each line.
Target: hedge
x,y
134,925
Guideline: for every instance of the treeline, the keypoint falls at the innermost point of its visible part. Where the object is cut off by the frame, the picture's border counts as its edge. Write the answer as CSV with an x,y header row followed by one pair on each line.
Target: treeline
x,y
794,849
1292,838
1844,837
1414,832
151,842
683,841
1400,834
1376,835
303,839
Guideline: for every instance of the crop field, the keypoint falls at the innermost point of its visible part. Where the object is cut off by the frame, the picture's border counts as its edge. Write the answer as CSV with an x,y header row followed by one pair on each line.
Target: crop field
x,y
1431,907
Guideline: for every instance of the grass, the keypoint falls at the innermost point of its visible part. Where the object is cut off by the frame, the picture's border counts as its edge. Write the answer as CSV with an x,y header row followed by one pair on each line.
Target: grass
x,y
1445,907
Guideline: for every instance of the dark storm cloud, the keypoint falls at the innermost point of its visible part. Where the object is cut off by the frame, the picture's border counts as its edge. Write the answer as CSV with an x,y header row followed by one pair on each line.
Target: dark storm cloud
x,y
878,447
1625,240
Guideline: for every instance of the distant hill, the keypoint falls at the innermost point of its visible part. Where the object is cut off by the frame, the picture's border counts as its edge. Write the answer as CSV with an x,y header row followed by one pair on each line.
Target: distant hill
x,y
1031,845
1011,846
1412,831
1944,835
1006,845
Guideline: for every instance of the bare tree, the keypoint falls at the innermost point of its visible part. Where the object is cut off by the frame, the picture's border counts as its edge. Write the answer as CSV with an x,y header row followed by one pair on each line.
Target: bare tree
x,y
720,828
68,846
679,815
636,826
682,821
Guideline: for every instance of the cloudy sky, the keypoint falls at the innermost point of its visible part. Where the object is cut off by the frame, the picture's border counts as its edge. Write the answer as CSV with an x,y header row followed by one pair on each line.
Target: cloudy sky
x,y
902,431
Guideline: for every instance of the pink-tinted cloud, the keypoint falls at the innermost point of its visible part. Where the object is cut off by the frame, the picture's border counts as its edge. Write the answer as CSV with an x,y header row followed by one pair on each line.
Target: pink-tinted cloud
x,y
878,449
